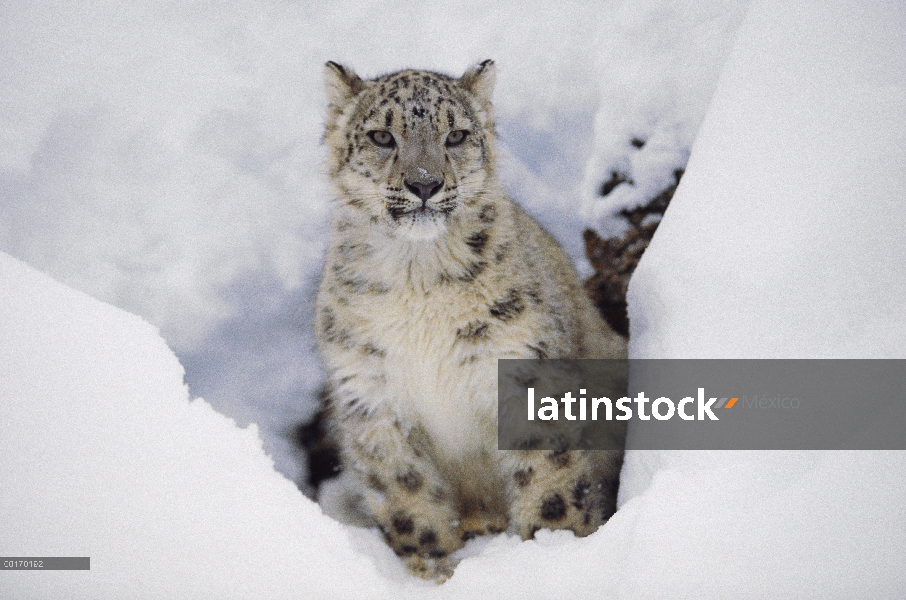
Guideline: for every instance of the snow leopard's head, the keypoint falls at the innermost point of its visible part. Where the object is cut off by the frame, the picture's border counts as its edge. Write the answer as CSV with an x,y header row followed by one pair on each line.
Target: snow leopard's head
x,y
412,148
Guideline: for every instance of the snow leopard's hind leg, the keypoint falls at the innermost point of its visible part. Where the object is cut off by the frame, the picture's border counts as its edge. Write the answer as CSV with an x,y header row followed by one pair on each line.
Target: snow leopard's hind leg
x,y
574,490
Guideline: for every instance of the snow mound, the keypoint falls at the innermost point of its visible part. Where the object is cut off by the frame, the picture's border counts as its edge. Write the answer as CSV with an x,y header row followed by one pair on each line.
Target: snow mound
x,y
785,238
103,455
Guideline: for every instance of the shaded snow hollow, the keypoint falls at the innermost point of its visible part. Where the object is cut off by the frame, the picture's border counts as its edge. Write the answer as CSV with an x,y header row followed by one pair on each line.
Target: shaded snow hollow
x,y
784,239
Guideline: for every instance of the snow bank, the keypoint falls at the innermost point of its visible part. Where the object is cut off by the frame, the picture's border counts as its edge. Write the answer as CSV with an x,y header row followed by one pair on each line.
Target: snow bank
x,y
784,240
786,237
103,455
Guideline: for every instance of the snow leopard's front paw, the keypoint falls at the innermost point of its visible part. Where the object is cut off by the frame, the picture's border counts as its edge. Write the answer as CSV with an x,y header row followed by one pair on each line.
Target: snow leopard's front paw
x,y
437,569
424,536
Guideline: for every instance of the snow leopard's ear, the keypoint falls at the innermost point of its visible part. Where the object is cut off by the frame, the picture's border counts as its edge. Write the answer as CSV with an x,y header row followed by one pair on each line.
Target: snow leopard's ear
x,y
342,84
480,81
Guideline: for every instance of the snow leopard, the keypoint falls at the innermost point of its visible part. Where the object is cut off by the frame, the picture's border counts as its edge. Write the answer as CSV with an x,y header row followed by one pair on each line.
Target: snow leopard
x,y
431,275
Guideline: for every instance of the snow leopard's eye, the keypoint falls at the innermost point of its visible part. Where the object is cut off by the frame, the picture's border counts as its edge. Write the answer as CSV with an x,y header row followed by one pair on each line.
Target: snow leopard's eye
x,y
455,138
384,139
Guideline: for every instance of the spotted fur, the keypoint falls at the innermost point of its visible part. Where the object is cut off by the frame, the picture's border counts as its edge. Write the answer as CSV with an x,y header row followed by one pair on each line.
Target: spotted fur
x,y
432,274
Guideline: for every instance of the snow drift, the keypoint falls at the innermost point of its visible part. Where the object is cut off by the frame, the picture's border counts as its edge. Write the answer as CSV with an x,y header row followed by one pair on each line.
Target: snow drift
x,y
103,455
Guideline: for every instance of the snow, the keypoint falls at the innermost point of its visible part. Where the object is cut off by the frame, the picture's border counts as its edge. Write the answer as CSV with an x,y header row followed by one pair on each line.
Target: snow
x,y
164,162
658,63
784,240
786,237
103,455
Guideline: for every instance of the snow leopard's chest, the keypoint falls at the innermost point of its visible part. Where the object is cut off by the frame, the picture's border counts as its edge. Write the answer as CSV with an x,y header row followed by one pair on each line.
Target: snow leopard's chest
x,y
435,378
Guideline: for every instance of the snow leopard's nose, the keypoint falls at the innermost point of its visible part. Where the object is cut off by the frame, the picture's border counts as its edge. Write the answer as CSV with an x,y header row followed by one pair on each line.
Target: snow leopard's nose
x,y
424,190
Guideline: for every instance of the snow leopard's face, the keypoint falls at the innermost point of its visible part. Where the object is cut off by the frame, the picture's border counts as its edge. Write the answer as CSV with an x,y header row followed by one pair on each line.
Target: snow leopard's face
x,y
412,148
